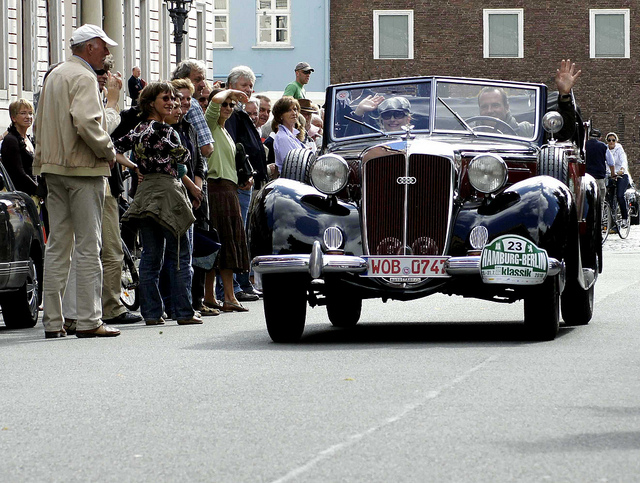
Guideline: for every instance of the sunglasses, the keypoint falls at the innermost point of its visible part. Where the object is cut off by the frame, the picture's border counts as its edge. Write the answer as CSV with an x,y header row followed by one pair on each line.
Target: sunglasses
x,y
101,72
228,104
307,72
395,114
167,98
611,140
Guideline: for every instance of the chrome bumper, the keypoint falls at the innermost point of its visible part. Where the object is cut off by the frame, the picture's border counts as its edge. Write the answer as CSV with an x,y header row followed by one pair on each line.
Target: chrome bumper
x,y
316,264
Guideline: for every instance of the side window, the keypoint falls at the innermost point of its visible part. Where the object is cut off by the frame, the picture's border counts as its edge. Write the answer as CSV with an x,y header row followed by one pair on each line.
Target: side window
x,y
503,33
393,34
609,33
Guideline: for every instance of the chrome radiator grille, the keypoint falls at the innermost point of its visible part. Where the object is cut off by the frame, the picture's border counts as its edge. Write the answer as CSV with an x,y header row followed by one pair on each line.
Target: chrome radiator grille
x,y
407,204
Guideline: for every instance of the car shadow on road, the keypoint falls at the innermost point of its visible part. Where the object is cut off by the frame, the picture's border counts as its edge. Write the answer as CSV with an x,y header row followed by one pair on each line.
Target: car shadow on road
x,y
375,335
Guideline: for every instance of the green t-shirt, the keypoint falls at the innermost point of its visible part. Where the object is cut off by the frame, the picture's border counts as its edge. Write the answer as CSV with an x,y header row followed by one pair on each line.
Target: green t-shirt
x,y
222,162
295,90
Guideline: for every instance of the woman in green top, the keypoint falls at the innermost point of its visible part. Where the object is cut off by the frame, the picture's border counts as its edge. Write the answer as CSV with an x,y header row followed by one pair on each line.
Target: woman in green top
x,y
225,216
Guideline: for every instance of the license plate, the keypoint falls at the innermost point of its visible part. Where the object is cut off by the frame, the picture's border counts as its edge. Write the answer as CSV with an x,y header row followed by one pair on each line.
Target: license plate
x,y
405,266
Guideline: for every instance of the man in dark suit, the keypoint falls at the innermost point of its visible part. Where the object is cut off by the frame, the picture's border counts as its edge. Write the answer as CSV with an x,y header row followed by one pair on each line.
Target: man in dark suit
x,y
136,84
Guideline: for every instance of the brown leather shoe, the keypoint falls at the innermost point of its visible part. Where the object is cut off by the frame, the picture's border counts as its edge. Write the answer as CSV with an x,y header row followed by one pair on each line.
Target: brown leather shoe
x,y
101,331
231,307
159,321
192,321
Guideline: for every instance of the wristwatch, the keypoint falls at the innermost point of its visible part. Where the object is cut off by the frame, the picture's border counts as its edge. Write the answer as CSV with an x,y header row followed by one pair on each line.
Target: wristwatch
x,y
564,97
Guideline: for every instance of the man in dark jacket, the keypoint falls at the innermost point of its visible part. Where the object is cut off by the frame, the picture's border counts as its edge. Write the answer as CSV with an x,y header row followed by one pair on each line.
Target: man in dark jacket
x,y
598,157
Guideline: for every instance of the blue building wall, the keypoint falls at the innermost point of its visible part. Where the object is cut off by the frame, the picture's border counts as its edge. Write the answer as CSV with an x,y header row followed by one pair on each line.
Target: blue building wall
x,y
274,67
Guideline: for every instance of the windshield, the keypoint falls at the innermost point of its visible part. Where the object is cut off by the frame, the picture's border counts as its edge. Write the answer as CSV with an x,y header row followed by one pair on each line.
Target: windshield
x,y
486,108
473,107
385,108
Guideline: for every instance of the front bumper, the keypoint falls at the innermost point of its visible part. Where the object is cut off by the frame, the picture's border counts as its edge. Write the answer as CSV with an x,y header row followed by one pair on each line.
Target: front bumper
x,y
317,264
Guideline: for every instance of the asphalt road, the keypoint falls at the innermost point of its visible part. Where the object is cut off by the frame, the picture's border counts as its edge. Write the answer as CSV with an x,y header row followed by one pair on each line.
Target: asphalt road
x,y
444,389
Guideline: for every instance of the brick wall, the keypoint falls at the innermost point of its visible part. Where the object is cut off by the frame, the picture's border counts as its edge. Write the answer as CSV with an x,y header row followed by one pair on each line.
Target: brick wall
x,y
448,41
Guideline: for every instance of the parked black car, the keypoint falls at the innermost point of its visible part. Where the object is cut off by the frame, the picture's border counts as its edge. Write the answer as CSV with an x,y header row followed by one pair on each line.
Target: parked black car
x,y
633,202
451,202
21,256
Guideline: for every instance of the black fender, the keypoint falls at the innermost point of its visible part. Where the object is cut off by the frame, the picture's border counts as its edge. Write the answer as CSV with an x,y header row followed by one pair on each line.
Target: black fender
x,y
288,216
539,209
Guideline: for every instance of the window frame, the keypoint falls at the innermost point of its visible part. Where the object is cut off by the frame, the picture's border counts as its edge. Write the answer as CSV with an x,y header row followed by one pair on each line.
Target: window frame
x,y
486,13
221,12
593,12
273,12
376,32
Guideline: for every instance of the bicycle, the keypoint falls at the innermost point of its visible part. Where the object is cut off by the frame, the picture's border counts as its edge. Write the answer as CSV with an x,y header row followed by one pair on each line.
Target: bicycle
x,y
613,220
130,279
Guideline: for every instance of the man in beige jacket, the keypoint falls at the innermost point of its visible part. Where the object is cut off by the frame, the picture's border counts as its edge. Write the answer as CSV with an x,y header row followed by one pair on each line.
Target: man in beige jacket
x,y
74,152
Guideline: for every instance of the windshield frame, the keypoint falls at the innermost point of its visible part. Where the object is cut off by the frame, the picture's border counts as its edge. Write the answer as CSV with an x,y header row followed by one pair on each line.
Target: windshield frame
x,y
332,101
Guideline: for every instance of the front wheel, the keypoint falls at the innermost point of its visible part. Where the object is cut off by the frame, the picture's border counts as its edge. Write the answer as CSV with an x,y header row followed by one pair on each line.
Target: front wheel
x,y
285,305
20,308
542,310
623,225
129,281
343,310
606,221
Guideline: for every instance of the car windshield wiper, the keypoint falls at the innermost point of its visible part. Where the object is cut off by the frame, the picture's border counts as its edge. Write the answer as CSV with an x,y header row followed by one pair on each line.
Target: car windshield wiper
x,y
458,117
362,123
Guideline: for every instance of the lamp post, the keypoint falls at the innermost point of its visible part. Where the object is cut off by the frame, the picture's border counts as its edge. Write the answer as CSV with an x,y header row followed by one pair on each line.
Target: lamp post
x,y
178,12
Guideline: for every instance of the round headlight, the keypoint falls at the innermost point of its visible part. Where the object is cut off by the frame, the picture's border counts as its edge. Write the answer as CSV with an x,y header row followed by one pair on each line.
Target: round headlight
x,y
552,122
487,173
329,174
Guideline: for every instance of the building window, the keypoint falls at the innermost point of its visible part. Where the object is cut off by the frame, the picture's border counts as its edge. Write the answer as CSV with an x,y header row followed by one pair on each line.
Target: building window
x,y
609,33
221,22
393,34
503,33
274,22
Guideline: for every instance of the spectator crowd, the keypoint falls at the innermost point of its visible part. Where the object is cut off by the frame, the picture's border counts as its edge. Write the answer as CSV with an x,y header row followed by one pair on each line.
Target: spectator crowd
x,y
196,154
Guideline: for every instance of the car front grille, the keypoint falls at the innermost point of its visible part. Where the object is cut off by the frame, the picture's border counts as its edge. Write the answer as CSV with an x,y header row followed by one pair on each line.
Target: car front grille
x,y
407,204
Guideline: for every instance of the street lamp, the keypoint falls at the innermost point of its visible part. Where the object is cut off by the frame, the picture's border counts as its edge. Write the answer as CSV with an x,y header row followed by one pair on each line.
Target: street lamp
x,y
178,12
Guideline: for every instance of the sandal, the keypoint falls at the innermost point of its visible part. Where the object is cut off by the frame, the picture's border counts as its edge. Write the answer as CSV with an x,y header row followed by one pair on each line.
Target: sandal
x,y
205,310
213,305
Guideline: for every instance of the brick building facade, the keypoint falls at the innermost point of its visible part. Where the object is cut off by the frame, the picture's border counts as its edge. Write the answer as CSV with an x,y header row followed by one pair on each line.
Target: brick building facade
x,y
448,39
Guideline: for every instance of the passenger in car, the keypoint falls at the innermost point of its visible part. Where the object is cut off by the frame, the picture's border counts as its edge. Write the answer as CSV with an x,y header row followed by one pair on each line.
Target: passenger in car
x,y
391,114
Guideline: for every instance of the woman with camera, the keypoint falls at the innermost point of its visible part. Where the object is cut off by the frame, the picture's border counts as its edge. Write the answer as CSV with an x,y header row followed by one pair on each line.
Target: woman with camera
x,y
225,215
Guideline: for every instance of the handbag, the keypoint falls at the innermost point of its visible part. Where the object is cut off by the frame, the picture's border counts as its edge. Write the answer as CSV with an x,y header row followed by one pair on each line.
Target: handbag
x,y
244,168
206,245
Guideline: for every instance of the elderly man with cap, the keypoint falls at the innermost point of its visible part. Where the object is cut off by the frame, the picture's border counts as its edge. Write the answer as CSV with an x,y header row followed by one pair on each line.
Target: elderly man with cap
x,y
74,152
296,88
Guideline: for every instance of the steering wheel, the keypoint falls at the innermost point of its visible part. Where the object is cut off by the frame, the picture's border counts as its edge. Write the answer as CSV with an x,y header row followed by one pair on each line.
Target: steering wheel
x,y
500,122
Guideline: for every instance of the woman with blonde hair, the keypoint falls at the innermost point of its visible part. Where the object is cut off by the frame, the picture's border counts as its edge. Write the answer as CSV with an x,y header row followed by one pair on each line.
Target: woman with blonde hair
x,y
17,147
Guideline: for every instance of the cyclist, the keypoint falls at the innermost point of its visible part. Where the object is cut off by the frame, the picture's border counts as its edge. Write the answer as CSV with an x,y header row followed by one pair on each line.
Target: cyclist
x,y
619,170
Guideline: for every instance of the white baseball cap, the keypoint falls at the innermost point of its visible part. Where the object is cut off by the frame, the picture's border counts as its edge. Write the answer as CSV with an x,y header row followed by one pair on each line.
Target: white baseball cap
x,y
88,32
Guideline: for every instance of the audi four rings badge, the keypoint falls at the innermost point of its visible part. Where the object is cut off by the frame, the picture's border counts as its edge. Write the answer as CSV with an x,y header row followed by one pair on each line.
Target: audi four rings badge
x,y
406,180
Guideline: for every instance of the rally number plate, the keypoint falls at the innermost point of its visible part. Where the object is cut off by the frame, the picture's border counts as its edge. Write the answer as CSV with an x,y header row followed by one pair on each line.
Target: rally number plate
x,y
405,266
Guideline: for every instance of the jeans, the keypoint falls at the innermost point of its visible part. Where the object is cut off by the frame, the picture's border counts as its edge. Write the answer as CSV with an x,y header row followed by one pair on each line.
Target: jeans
x,y
623,184
157,242
240,280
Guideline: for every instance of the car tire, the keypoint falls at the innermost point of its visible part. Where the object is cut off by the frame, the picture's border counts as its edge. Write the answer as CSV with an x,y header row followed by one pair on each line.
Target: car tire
x,y
343,309
542,310
20,307
285,305
553,162
296,165
577,304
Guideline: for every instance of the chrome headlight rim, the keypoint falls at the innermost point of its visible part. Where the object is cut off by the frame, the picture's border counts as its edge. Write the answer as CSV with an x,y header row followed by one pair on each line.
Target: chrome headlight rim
x,y
329,174
499,177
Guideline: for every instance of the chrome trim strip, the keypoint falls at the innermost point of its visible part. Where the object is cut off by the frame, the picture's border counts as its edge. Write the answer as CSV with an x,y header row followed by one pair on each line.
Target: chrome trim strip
x,y
353,264
14,268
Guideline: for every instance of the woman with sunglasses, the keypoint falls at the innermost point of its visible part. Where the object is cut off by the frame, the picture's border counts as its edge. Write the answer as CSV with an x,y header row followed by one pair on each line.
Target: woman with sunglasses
x,y
161,205
224,206
392,113
619,170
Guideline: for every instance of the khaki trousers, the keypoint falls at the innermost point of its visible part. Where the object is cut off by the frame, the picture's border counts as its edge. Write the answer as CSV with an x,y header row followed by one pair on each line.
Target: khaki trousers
x,y
112,256
75,205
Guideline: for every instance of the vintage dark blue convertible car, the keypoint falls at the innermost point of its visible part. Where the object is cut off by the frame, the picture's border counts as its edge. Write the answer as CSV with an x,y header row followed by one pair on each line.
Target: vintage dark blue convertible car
x,y
21,256
454,199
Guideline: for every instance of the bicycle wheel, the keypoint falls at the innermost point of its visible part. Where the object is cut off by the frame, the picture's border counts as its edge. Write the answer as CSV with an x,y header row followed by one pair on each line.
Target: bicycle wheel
x,y
606,221
129,294
623,225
